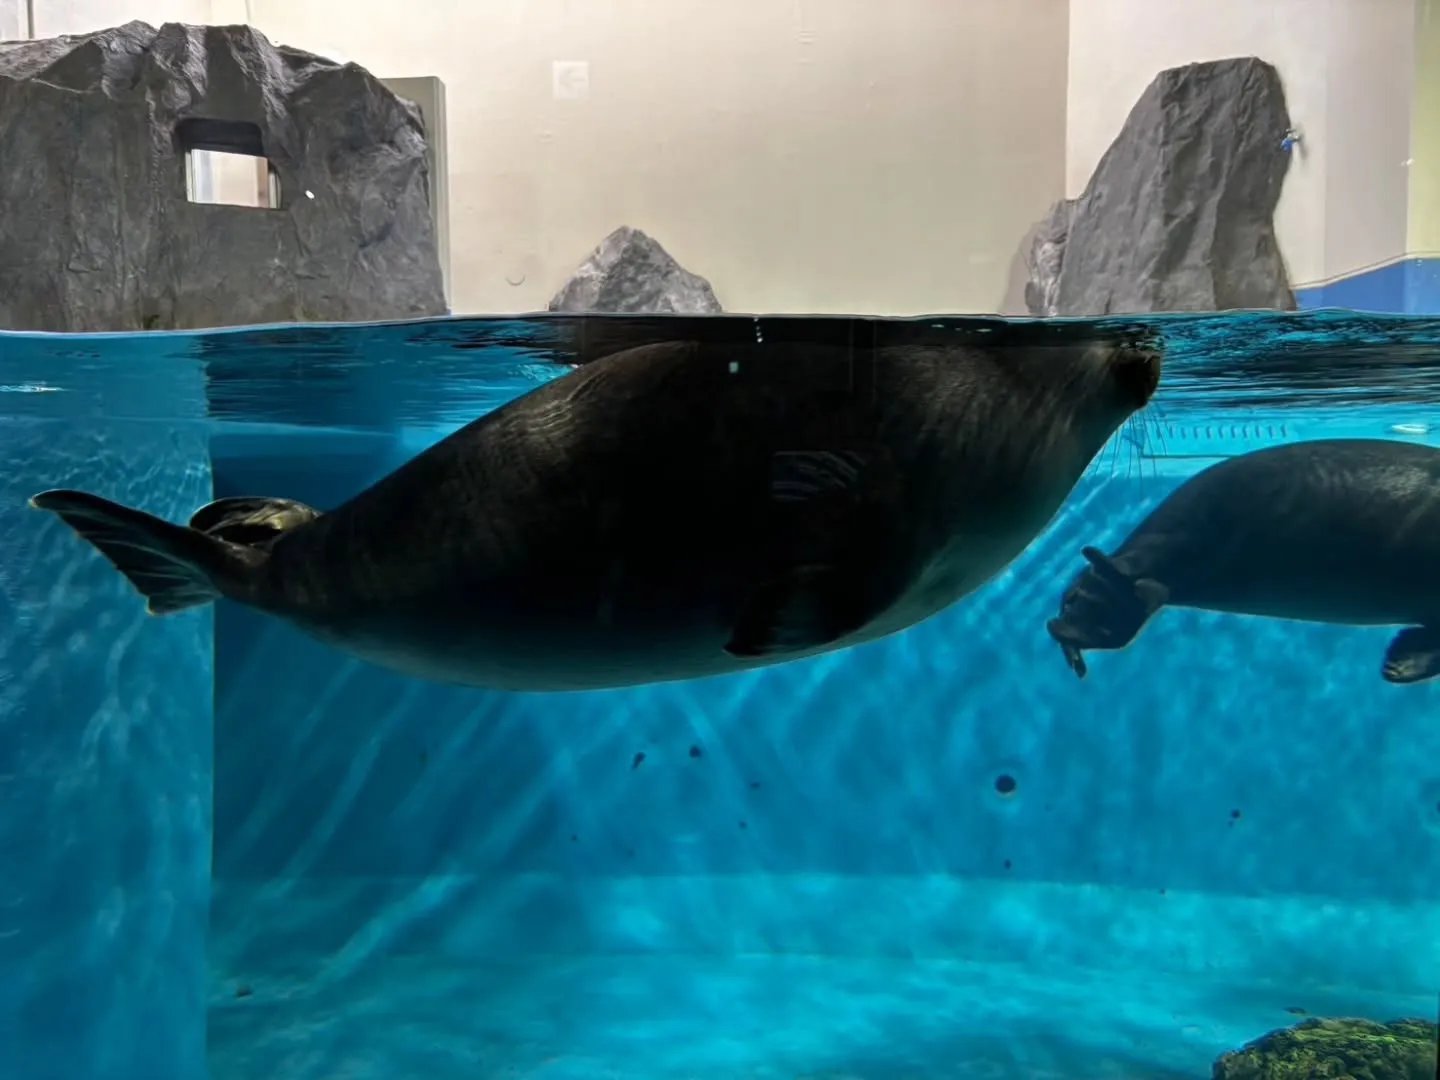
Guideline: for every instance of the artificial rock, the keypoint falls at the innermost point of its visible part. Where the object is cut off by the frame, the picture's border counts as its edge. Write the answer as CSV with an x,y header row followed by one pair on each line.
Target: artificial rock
x,y
630,273
1179,213
94,134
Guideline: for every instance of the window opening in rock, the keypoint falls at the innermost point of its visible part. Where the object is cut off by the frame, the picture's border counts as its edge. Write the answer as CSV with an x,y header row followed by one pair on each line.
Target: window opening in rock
x,y
225,164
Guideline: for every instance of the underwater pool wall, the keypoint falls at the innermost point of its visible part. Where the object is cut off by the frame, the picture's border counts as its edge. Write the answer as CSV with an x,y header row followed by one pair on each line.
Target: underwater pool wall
x,y
1205,804
105,738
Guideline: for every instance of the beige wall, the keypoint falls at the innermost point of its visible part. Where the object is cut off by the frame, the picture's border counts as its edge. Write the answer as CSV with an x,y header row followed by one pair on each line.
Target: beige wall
x,y
12,20
826,156
1424,231
1347,67
1371,75
54,17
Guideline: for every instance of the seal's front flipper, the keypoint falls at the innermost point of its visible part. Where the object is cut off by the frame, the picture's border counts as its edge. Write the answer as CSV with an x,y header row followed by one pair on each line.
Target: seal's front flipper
x,y
831,568
172,566
804,608
250,519
1413,656
812,476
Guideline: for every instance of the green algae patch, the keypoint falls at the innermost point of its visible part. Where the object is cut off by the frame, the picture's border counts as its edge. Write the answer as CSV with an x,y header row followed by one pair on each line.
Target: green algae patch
x,y
1329,1049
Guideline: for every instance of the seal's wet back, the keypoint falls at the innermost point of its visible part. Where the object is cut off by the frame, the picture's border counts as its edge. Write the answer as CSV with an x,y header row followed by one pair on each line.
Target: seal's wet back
x,y
672,510
1343,531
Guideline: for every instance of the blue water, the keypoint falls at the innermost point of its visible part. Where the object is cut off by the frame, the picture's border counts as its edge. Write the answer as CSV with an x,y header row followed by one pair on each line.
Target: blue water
x,y
223,847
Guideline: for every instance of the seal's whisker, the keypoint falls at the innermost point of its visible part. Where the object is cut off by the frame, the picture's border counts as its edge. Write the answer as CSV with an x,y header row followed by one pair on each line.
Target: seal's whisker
x,y
1130,441
1110,454
1150,439
1155,420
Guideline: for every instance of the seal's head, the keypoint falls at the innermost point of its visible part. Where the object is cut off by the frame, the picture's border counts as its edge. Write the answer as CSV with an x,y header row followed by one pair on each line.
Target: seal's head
x,y
1120,377
1068,398
1104,608
1050,408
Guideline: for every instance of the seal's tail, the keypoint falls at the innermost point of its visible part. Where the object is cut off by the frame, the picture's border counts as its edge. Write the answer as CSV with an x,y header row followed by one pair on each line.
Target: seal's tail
x,y
174,567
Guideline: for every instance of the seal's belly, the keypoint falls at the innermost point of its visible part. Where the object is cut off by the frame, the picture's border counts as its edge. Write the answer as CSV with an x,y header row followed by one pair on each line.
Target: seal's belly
x,y
950,575
562,622
541,671
1363,596
554,650
591,638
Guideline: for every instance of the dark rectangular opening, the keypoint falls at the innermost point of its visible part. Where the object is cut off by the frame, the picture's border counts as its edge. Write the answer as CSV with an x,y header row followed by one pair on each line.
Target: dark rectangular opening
x,y
225,164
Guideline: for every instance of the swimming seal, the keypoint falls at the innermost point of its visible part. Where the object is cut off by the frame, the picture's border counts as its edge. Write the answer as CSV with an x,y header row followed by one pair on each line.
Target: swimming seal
x,y
1343,531
674,510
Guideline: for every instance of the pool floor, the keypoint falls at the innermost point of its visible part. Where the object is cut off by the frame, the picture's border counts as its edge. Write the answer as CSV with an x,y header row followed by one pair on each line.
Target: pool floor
x,y
648,1017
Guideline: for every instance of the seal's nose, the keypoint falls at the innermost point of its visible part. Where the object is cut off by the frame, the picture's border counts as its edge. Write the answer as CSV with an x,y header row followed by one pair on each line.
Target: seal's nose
x,y
1136,368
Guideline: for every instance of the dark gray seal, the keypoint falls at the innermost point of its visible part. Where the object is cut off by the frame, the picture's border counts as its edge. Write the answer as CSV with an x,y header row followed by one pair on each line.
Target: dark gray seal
x,y
1343,531
675,510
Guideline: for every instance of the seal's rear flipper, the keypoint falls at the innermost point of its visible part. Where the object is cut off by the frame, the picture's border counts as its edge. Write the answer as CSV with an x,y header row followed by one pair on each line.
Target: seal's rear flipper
x,y
1104,608
1149,594
1413,656
803,608
251,519
1073,655
172,566
1105,568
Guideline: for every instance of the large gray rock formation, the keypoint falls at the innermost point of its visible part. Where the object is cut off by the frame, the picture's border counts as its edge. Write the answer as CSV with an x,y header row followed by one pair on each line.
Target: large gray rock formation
x,y
630,273
1179,214
99,234
1044,257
